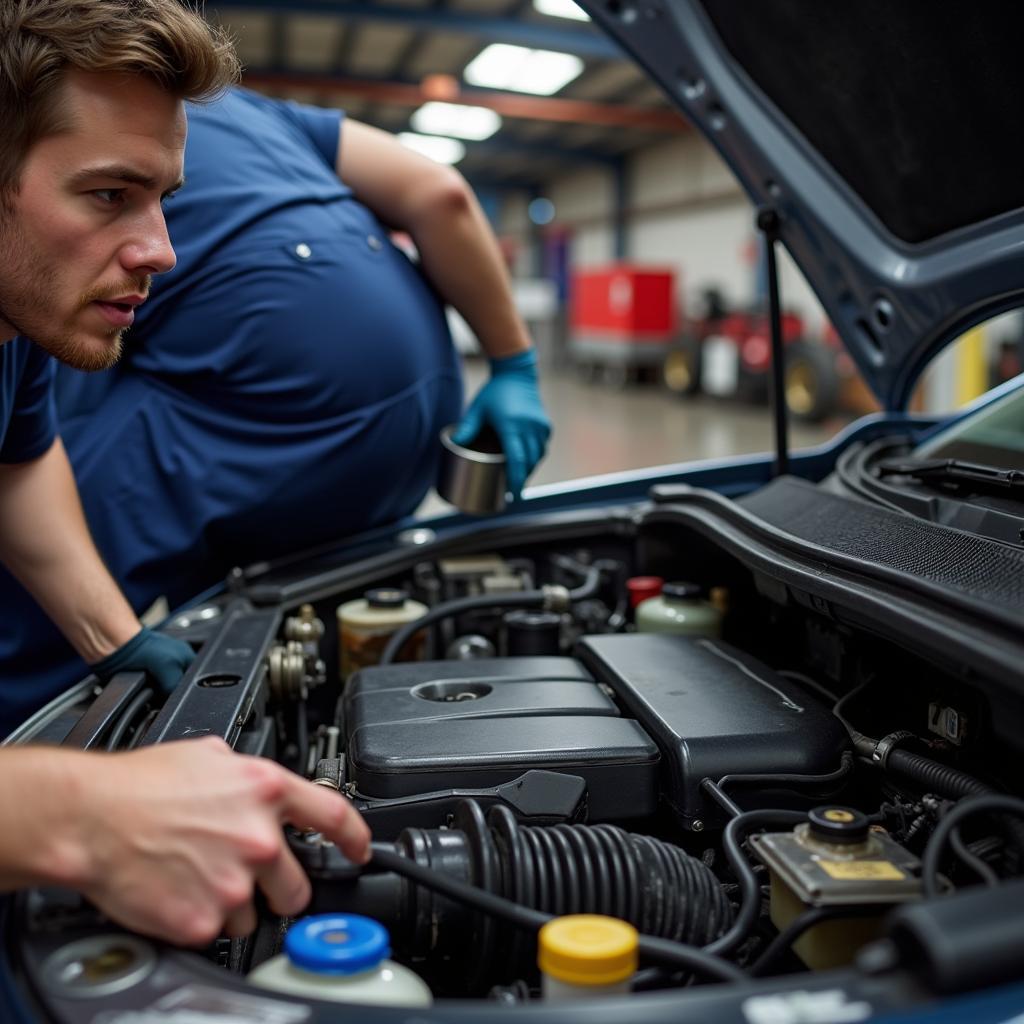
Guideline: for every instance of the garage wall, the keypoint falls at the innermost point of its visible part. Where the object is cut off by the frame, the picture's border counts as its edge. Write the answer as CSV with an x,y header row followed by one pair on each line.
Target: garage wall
x,y
685,210
586,201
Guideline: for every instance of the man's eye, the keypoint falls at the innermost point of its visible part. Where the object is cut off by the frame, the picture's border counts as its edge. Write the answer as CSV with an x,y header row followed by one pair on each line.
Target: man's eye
x,y
109,196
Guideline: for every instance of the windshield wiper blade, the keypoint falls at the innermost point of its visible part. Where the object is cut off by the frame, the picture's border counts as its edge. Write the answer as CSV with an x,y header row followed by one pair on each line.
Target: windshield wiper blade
x,y
956,473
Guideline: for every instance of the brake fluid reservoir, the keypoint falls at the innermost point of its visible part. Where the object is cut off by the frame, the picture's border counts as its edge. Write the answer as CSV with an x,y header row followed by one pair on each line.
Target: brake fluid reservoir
x,y
365,626
679,609
342,958
585,955
836,860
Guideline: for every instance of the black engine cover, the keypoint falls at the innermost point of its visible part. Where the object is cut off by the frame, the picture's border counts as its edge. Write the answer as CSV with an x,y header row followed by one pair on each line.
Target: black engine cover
x,y
713,711
420,727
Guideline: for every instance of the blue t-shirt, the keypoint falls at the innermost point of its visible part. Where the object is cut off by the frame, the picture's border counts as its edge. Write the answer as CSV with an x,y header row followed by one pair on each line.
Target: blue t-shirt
x,y
28,422
295,366
283,387
288,302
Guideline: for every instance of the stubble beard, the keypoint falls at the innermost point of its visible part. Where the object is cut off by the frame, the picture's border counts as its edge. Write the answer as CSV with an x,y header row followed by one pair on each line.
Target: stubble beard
x,y
27,286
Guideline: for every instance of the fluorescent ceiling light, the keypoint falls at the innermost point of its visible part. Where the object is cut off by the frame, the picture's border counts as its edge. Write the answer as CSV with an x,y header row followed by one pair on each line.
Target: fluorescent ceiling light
x,y
457,120
561,9
541,72
437,147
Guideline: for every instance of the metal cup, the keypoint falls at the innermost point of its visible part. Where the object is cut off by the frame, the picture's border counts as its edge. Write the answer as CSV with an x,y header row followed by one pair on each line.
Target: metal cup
x,y
472,478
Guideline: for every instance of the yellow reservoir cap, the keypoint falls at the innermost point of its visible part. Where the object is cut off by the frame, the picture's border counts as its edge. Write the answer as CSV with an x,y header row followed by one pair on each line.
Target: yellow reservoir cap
x,y
588,949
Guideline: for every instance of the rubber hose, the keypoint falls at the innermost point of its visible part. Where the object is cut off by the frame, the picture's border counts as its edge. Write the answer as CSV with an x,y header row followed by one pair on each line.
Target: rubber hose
x,y
949,782
750,890
655,949
601,869
526,599
935,776
990,802
667,895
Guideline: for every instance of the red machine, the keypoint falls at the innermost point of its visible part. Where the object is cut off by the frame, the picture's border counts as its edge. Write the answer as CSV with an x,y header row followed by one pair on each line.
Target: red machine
x,y
623,319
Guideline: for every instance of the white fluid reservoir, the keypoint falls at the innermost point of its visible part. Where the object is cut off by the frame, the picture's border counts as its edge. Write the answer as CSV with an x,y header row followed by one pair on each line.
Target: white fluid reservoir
x,y
343,958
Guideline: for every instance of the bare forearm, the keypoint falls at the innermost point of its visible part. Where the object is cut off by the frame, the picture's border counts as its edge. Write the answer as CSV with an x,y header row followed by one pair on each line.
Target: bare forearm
x,y
36,844
461,258
437,208
45,542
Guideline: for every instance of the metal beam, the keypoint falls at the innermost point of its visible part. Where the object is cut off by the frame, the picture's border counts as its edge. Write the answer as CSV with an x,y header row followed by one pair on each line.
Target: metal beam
x,y
416,41
497,146
583,41
344,50
533,108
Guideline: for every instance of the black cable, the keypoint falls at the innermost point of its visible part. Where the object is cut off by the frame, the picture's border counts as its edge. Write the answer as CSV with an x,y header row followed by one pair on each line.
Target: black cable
x,y
863,745
447,609
525,599
726,802
971,859
662,951
768,779
964,809
127,717
783,942
750,889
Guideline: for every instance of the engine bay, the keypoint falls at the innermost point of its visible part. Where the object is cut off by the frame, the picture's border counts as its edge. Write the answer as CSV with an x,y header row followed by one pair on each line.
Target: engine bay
x,y
778,788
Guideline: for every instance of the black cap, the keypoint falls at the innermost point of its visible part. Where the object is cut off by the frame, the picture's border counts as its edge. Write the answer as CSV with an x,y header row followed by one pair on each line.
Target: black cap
x,y
386,597
681,590
838,824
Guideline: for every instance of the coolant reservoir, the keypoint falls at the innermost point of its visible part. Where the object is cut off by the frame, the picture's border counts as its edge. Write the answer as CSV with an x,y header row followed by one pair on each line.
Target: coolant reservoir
x,y
586,955
680,610
342,958
365,626
836,860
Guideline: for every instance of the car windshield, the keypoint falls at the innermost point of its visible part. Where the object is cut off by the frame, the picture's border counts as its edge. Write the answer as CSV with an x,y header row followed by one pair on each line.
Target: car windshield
x,y
993,436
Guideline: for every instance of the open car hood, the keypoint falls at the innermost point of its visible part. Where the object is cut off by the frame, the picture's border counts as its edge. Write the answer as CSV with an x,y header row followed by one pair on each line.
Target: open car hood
x,y
884,135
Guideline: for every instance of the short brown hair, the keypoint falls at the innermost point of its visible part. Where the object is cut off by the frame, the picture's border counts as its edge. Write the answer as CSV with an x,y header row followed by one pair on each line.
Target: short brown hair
x,y
165,40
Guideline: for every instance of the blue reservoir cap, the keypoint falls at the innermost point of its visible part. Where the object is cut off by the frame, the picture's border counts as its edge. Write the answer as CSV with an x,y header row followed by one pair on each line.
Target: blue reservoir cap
x,y
337,943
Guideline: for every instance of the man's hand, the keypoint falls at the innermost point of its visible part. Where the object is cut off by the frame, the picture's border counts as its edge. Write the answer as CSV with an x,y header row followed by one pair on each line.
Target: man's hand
x,y
161,657
510,402
170,840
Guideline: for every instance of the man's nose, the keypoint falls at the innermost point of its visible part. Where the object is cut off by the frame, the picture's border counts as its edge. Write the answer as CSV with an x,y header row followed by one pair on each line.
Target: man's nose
x,y
149,251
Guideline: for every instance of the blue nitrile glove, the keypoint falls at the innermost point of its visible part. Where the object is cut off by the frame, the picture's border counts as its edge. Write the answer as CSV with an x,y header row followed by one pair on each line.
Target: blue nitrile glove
x,y
161,657
510,403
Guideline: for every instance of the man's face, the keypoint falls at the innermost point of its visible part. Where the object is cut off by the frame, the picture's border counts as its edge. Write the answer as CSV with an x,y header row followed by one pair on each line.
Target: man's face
x,y
81,238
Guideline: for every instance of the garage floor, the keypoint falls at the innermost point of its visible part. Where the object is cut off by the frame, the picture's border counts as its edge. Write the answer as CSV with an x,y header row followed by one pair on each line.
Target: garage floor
x,y
600,430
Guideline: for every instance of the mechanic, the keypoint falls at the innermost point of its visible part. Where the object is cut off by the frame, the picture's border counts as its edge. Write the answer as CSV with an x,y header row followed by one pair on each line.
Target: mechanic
x,y
169,840
286,384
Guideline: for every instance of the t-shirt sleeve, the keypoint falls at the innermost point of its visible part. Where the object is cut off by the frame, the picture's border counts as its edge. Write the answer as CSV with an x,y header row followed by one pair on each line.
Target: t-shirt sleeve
x,y
32,427
322,126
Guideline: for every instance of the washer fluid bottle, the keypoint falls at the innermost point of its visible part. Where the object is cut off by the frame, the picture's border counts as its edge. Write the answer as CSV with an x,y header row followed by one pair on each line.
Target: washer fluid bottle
x,y
365,627
342,958
679,609
583,956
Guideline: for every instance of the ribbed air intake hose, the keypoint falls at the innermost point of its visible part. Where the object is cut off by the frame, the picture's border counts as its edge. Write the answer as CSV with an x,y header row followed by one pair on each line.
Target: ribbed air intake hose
x,y
601,869
558,869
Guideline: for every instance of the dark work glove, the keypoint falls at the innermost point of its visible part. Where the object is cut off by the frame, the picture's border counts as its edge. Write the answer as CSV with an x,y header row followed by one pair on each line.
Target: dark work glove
x,y
161,657
510,402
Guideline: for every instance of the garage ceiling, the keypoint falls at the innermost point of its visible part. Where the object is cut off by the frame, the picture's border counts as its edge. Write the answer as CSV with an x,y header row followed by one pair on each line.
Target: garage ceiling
x,y
371,59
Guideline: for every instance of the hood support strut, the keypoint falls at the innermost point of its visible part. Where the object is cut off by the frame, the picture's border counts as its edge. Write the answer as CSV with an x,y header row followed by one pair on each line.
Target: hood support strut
x,y
768,225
